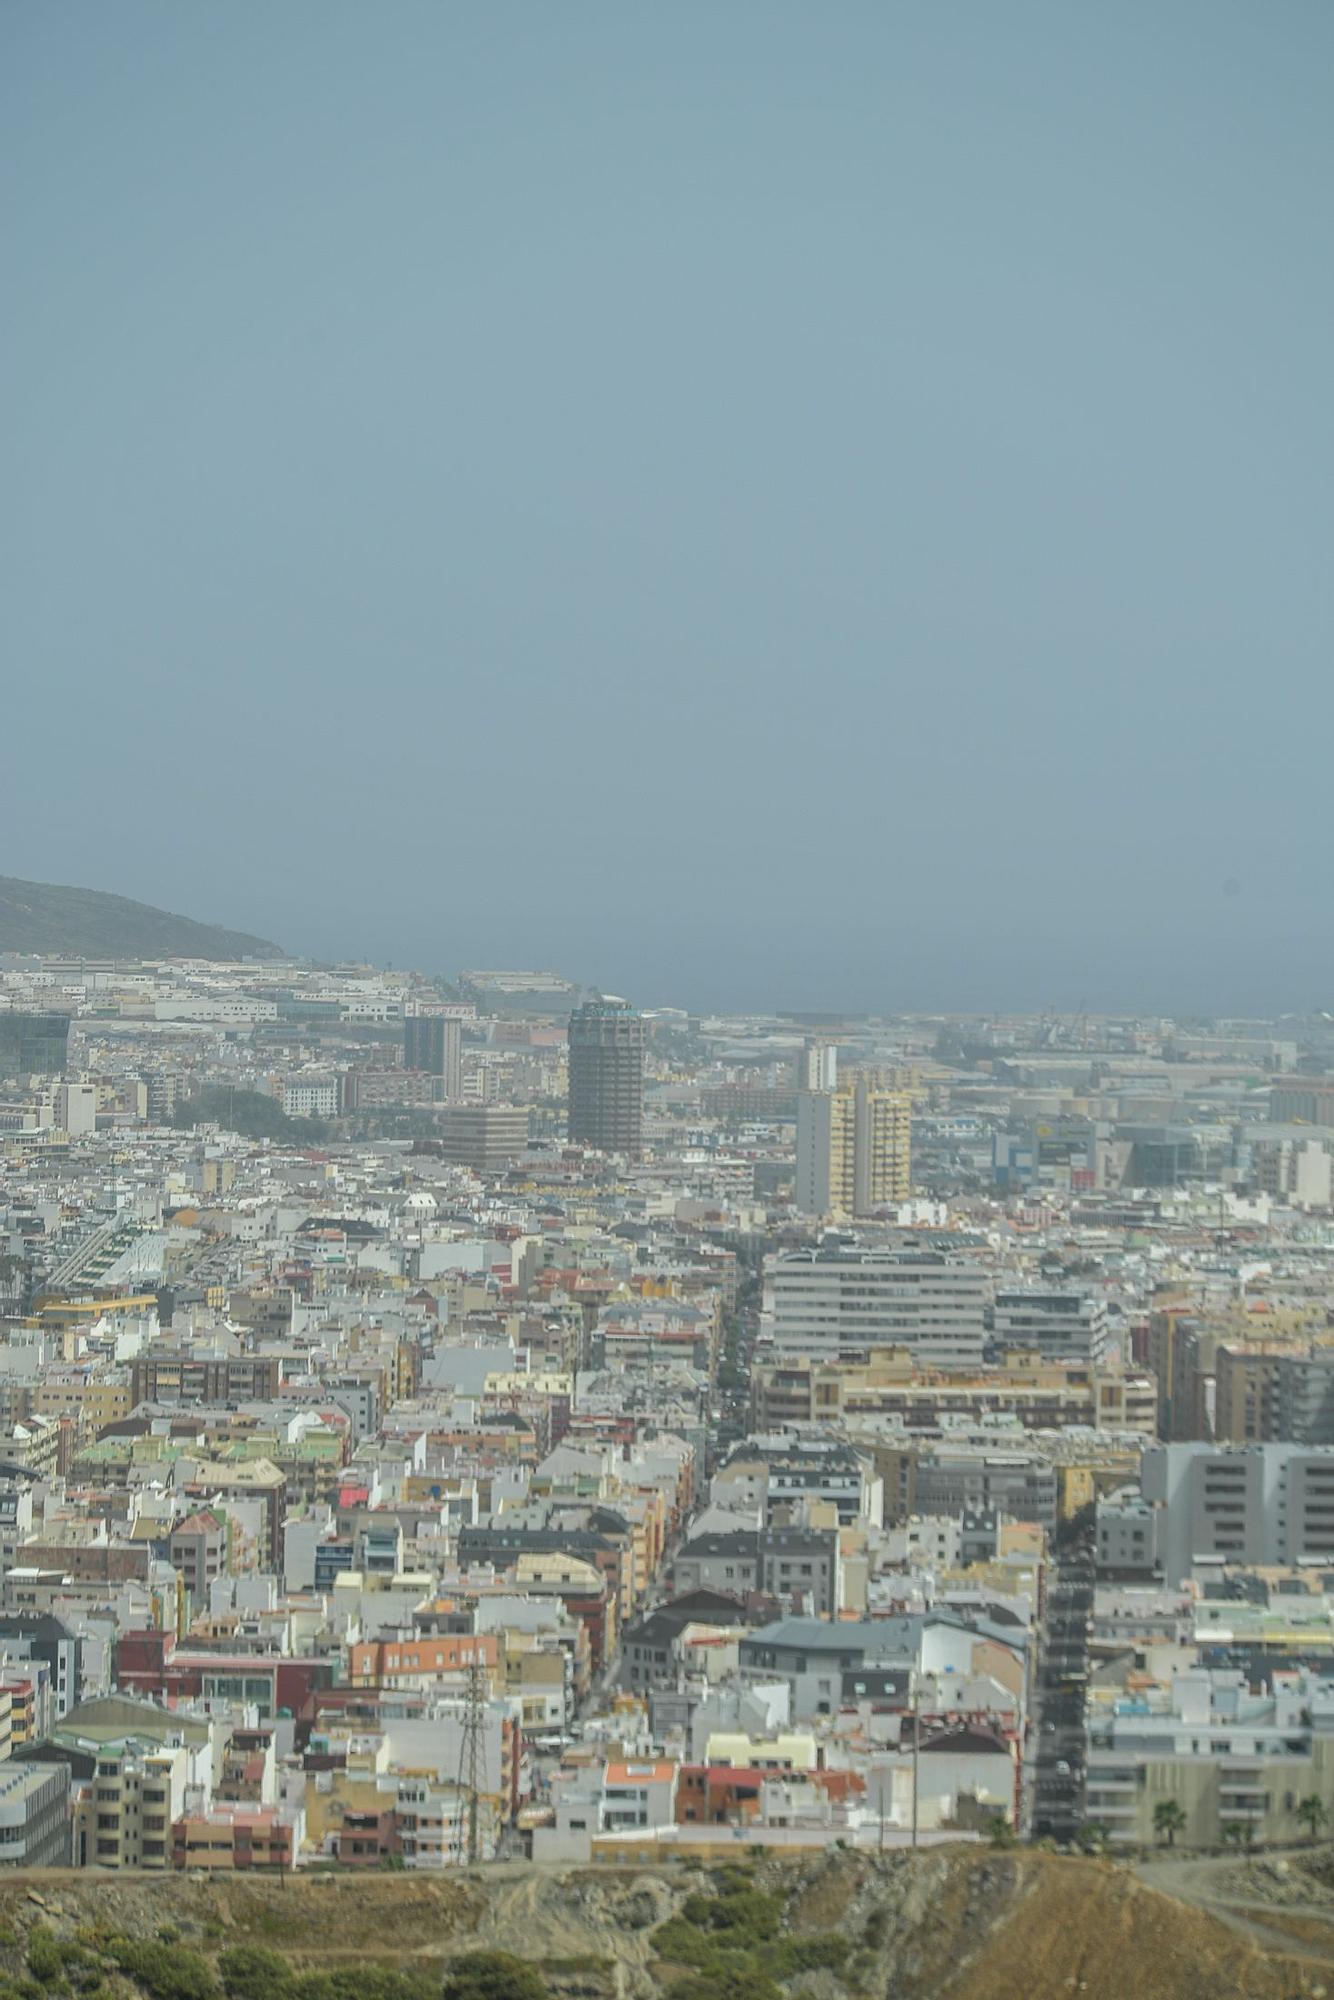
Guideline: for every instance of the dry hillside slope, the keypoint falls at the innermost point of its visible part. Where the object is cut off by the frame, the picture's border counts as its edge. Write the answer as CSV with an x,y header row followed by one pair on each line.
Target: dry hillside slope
x,y
956,1924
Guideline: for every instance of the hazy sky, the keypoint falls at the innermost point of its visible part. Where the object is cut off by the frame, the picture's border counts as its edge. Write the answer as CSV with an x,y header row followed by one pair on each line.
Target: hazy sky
x,y
746,503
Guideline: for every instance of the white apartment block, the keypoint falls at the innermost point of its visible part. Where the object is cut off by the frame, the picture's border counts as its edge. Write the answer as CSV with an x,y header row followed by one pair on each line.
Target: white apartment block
x,y
839,1304
1259,1504
310,1096
1226,1757
1053,1321
1300,1171
76,1109
817,1066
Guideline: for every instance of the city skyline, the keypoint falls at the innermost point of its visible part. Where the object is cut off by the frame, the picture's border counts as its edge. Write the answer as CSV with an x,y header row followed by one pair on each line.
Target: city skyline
x,y
889,1431
667,1000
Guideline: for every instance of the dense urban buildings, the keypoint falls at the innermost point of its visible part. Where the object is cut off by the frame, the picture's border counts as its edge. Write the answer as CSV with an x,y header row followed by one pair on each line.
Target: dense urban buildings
x,y
656,1417
810,519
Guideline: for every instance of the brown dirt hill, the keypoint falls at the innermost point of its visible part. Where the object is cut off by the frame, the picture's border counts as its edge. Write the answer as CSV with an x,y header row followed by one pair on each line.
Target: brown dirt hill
x,y
962,1923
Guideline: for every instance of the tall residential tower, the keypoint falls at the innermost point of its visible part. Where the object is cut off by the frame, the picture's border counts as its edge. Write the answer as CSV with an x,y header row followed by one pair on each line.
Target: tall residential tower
x,y
434,1044
607,1077
852,1149
817,1065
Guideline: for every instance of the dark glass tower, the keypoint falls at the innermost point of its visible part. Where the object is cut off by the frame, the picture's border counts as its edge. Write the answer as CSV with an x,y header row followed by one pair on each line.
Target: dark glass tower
x,y
33,1044
434,1044
424,1043
607,1077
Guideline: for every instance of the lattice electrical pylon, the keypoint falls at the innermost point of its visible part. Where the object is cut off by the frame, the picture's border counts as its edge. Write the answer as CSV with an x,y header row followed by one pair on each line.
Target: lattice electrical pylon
x,y
472,1754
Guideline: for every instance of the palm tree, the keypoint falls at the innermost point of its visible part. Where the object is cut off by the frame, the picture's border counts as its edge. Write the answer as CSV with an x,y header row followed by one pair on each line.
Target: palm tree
x,y
1312,1814
1168,1820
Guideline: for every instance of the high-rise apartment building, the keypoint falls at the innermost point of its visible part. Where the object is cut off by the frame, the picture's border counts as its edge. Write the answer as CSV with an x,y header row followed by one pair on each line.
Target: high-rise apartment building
x,y
853,1148
817,1065
434,1045
607,1077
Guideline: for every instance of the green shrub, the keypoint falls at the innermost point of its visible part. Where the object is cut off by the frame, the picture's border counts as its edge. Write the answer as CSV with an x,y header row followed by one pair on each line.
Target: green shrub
x,y
366,1982
734,1946
825,1951
731,1982
492,1975
743,1912
253,1972
683,1943
166,1972
46,1961
252,1113
729,1876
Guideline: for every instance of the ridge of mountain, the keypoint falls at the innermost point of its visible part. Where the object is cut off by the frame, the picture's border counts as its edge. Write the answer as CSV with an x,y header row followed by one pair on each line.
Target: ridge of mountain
x,y
54,919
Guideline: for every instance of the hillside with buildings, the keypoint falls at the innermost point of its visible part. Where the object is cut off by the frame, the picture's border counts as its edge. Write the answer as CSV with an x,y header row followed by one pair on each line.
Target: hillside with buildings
x,y
43,917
